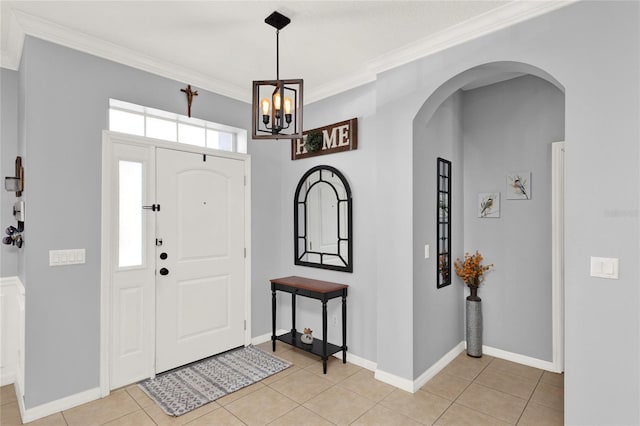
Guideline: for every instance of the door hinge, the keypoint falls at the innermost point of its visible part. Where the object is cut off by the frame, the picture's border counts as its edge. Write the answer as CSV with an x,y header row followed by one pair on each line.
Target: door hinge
x,y
152,207
245,180
245,324
204,157
245,252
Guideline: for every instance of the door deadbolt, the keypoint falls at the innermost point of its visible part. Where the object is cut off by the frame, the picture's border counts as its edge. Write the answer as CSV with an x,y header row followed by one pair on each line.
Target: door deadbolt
x,y
163,256
164,271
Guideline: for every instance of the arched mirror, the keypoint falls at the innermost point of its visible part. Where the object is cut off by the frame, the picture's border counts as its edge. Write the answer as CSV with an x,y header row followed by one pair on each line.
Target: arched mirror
x,y
322,220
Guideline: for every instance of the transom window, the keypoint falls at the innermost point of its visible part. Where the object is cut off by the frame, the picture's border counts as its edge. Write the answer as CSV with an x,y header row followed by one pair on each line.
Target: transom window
x,y
139,120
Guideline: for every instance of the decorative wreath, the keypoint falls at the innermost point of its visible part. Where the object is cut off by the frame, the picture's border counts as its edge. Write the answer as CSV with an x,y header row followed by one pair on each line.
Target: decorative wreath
x,y
314,141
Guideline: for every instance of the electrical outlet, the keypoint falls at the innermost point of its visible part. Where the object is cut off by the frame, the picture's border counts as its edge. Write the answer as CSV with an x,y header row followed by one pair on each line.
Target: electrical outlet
x,y
334,320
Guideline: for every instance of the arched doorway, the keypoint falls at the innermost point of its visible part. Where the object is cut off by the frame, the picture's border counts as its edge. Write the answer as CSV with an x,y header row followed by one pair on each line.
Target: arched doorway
x,y
491,120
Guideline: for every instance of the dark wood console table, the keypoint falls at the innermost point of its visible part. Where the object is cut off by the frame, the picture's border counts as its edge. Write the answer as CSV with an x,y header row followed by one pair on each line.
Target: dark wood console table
x,y
315,289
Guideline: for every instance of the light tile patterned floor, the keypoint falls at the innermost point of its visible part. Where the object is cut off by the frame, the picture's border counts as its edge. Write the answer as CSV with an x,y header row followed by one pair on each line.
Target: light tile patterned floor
x,y
469,391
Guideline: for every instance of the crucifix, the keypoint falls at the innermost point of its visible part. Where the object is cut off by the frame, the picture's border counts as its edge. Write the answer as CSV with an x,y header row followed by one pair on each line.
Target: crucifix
x,y
190,94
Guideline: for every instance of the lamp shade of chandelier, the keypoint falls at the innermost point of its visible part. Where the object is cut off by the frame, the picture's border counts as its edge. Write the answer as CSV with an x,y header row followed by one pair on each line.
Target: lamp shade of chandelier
x,y
277,104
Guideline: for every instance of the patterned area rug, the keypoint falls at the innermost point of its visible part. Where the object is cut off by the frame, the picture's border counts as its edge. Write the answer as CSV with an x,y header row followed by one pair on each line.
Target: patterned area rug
x,y
187,388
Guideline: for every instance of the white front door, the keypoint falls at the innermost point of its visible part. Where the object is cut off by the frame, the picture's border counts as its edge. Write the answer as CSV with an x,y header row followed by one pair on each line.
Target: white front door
x,y
152,322
200,282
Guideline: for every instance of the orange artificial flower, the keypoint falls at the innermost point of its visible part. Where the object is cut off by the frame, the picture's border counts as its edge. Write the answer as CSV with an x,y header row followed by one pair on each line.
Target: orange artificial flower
x,y
471,270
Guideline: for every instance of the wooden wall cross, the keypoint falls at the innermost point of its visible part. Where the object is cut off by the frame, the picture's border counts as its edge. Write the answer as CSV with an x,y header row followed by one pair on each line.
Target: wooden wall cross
x,y
190,94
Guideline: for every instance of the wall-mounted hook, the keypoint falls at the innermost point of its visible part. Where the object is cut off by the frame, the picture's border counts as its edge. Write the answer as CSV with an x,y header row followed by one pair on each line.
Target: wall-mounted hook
x,y
16,183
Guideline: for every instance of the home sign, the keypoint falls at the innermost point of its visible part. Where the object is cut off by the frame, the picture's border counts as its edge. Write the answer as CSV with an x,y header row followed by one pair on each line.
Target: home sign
x,y
342,136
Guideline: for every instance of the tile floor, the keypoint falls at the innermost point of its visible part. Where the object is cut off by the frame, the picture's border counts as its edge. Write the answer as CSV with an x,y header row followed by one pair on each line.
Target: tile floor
x,y
469,391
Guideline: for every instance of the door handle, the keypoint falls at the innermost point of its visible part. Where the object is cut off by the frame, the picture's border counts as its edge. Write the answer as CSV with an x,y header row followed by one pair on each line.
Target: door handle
x,y
164,271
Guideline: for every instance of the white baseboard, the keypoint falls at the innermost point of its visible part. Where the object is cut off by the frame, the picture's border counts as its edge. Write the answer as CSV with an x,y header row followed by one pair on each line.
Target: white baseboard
x,y
44,410
520,359
487,350
359,361
266,337
438,366
393,380
20,397
10,310
413,385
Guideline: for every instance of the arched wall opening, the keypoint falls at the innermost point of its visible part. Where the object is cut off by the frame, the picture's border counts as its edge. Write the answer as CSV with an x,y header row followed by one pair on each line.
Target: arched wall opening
x,y
490,120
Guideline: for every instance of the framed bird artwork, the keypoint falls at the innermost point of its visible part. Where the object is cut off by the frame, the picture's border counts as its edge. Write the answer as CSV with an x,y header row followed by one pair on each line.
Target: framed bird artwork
x,y
518,186
488,204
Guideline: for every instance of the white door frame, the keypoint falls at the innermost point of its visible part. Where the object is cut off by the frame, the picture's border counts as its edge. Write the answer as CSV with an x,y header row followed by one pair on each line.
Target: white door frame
x,y
108,138
557,252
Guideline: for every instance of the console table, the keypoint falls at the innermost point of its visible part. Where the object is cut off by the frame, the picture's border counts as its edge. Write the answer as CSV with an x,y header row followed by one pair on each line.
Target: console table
x,y
315,289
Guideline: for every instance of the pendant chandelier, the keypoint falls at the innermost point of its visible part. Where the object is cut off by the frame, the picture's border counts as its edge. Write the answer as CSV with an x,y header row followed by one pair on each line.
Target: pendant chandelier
x,y
277,104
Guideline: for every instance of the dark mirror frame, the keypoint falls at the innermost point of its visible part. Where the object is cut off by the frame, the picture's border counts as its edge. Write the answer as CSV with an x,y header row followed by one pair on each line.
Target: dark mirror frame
x,y
443,222
297,221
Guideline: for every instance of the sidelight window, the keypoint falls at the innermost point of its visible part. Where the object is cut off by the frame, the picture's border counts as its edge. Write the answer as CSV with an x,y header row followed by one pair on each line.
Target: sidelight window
x,y
130,214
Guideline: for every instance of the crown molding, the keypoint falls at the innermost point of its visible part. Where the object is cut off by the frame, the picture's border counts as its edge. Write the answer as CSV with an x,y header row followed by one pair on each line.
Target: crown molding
x,y
502,17
52,32
338,86
22,24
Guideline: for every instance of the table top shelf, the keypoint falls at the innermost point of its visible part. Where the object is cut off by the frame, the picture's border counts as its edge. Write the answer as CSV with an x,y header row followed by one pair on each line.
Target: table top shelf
x,y
316,286
316,289
315,347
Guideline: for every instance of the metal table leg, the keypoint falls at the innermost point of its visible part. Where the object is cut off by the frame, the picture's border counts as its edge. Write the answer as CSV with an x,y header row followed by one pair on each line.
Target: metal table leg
x,y
273,318
344,328
293,316
324,336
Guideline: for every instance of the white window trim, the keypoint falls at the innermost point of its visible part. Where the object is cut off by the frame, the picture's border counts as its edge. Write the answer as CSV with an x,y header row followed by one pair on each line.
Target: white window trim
x,y
239,136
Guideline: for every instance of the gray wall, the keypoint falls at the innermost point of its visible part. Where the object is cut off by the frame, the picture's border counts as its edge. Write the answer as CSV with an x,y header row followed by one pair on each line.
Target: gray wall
x,y
509,126
438,313
65,96
599,71
63,99
358,170
8,152
267,243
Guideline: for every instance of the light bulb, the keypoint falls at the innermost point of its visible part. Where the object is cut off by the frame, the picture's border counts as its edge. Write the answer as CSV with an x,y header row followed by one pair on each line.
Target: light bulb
x,y
287,105
265,106
276,101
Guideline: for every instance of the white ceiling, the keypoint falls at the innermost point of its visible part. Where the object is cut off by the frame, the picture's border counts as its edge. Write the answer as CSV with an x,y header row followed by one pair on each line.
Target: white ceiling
x,y
223,45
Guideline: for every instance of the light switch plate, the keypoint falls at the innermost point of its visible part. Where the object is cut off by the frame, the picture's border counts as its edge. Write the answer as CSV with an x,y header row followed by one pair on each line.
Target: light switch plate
x,y
67,257
604,267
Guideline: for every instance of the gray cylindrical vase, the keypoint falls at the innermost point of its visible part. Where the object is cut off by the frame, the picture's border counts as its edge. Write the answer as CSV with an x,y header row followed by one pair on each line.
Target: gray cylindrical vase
x,y
474,327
